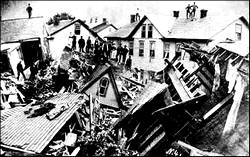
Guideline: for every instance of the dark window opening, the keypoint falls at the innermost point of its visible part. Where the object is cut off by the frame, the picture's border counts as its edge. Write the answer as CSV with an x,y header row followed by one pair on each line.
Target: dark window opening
x,y
141,48
131,45
104,83
143,31
77,28
238,31
150,31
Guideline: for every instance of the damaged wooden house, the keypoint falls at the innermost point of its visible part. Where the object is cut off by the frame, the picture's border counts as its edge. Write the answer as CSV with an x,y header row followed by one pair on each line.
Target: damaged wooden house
x,y
22,39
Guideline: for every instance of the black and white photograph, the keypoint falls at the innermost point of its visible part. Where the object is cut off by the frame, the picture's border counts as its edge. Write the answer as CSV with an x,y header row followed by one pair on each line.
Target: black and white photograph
x,y
124,78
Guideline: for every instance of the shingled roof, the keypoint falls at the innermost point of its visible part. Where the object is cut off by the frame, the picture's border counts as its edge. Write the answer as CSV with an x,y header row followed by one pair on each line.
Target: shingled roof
x,y
101,27
52,29
200,28
13,30
123,32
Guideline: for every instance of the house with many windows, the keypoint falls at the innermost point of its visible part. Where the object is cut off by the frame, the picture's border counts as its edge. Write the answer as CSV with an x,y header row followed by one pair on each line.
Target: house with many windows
x,y
152,40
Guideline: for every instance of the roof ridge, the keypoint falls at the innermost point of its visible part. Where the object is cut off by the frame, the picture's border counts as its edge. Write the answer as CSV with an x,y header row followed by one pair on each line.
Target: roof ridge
x,y
21,18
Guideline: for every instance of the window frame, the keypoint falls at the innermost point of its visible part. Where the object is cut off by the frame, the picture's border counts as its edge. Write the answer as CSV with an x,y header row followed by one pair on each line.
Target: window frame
x,y
166,50
143,31
77,28
104,87
238,31
141,49
150,31
152,49
131,48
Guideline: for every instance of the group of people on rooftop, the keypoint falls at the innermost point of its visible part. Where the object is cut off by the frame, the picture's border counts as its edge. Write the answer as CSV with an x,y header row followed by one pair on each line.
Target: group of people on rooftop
x,y
190,11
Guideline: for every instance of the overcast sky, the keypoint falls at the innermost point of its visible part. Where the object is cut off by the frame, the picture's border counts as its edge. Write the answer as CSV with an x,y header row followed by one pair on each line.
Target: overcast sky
x,y
118,12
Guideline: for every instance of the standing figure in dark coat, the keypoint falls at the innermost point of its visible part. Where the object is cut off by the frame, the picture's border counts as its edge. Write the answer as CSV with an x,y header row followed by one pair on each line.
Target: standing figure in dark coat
x,y
20,70
194,7
73,42
88,46
188,12
109,50
118,54
128,63
105,51
124,53
81,43
29,10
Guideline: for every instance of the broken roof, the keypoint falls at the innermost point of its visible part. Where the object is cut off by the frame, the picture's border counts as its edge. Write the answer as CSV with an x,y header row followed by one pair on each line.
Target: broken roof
x,y
235,47
13,30
34,134
148,93
102,26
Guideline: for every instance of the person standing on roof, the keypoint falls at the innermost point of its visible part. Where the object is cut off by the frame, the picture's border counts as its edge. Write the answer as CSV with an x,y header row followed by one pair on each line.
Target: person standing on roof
x,y
29,10
81,43
194,7
188,8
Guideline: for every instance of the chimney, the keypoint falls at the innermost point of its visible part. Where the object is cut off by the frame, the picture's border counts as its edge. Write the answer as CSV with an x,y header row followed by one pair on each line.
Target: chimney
x,y
203,13
137,17
176,14
132,18
104,20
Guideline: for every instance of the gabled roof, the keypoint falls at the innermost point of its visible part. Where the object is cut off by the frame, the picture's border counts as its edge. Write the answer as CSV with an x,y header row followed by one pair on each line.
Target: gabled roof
x,y
13,30
52,29
102,26
123,32
100,71
200,28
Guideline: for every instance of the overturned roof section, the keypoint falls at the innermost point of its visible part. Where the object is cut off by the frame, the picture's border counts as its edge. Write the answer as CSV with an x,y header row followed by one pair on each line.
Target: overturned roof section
x,y
14,30
34,134
100,71
236,47
102,26
148,93
52,29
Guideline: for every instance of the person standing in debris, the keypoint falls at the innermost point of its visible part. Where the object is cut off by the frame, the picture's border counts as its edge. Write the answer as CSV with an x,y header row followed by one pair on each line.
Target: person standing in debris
x,y
33,71
194,7
81,43
29,10
88,46
109,50
20,70
124,53
128,63
118,53
73,42
188,8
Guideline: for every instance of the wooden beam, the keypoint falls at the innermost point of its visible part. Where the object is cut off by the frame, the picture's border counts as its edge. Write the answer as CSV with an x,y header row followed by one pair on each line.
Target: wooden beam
x,y
217,107
16,149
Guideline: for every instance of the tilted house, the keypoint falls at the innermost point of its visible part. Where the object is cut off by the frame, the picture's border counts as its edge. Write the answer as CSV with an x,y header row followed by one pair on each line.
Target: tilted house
x,y
101,85
58,35
23,39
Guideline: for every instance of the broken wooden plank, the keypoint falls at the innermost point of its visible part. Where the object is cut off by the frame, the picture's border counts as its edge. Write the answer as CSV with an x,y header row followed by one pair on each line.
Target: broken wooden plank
x,y
218,106
16,149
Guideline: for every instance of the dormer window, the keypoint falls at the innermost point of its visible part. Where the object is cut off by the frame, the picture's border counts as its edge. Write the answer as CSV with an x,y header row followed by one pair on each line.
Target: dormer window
x,y
238,31
150,31
77,28
143,31
104,83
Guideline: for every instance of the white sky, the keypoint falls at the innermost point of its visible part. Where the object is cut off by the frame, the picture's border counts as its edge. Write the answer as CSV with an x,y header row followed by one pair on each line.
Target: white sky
x,y
118,12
